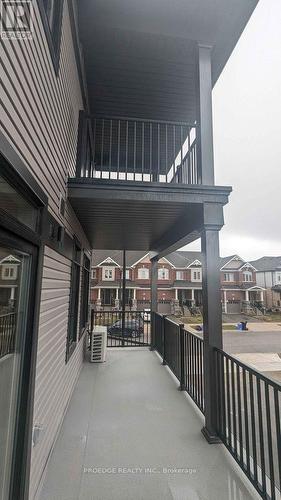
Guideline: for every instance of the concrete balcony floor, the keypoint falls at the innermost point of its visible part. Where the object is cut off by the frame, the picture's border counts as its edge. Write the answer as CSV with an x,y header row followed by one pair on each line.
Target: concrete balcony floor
x,y
127,414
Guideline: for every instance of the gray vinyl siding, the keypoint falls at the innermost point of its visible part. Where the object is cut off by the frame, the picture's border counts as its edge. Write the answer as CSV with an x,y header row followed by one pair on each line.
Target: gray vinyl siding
x,y
40,111
39,117
55,380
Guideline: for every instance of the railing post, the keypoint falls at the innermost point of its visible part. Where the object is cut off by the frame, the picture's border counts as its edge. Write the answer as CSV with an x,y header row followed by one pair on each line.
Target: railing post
x,y
182,358
164,339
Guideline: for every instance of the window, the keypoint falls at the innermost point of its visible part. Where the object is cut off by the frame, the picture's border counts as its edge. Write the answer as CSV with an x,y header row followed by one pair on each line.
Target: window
x,y
127,274
247,276
196,275
179,275
94,274
9,272
143,273
73,301
108,273
163,273
85,282
278,277
51,14
228,277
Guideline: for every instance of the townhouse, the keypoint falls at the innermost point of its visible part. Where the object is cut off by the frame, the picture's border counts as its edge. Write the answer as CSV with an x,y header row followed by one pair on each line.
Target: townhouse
x,y
179,281
268,276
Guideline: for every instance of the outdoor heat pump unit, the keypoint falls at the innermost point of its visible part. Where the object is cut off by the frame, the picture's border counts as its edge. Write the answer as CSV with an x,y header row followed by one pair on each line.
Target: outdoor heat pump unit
x,y
98,344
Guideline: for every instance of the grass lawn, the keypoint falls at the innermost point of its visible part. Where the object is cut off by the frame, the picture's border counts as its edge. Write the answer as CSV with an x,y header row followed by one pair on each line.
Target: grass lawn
x,y
272,317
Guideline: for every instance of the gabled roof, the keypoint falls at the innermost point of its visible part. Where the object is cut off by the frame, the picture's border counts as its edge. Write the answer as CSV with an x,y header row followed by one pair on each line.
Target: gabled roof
x,y
117,256
267,263
10,259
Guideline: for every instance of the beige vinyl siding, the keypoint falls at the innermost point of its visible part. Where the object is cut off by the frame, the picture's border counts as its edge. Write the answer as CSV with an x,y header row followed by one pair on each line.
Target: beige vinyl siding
x,y
55,380
39,117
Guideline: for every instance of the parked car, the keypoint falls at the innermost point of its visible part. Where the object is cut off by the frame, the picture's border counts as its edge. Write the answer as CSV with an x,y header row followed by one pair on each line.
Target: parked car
x,y
132,328
145,315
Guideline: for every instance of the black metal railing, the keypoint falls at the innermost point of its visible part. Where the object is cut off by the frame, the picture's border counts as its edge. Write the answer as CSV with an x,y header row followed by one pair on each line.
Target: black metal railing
x,y
182,352
249,422
143,150
248,403
124,328
7,333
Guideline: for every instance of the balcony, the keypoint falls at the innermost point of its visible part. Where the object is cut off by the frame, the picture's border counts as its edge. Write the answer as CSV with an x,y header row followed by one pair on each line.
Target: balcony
x,y
126,424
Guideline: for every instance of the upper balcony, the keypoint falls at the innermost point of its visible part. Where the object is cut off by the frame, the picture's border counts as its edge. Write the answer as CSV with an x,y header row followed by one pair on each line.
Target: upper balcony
x,y
145,150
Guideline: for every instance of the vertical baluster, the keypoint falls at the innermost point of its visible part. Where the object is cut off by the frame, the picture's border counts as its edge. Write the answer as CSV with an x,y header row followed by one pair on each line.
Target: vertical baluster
x,y
166,152
118,150
127,139
261,437
269,441
94,149
239,411
158,152
110,147
174,147
142,152
150,152
234,407
228,404
246,424
253,426
102,144
181,139
135,148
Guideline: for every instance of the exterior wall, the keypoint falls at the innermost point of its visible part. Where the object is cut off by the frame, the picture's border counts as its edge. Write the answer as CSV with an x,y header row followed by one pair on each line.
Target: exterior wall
x,y
55,380
39,118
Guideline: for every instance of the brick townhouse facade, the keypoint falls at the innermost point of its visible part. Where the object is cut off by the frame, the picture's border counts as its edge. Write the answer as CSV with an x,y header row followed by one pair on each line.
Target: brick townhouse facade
x,y
179,281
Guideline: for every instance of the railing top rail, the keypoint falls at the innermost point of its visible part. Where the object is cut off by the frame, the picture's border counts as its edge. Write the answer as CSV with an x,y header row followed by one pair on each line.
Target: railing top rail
x,y
193,334
266,379
143,120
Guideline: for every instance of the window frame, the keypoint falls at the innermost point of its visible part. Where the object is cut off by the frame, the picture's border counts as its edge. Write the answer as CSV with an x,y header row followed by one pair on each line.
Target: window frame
x,y
278,277
53,33
228,280
193,275
166,274
104,270
73,308
179,273
247,273
85,294
145,270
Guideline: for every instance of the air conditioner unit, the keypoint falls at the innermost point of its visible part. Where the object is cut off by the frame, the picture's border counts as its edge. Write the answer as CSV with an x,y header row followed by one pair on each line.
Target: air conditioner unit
x,y
98,344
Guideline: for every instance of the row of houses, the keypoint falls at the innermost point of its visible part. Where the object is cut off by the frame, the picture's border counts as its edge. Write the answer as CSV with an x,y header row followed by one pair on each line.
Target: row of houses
x,y
244,285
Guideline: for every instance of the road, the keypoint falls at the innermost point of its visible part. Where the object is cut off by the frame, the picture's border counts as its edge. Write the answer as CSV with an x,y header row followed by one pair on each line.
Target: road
x,y
235,342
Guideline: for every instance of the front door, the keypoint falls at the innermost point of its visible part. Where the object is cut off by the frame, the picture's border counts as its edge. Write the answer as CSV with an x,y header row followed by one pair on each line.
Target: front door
x,y
18,262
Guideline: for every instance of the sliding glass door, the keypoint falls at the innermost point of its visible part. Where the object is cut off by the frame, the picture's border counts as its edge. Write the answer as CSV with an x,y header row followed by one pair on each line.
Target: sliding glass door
x,y
17,277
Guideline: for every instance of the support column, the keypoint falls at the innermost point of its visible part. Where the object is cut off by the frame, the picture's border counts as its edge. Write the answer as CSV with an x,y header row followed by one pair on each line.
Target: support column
x,y
247,295
192,296
204,136
212,327
153,298
123,295
261,295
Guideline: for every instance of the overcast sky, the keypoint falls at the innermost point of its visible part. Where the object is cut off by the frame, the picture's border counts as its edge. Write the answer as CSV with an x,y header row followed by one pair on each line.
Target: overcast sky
x,y
247,137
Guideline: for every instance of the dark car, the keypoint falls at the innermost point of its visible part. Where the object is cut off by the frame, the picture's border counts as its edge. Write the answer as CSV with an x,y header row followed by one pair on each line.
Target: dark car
x,y
132,328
